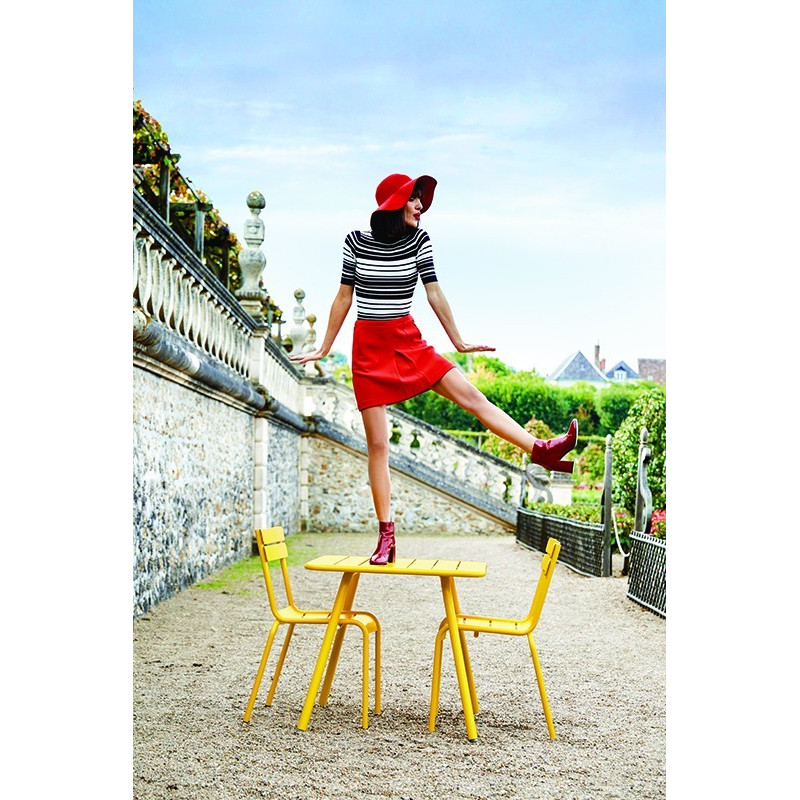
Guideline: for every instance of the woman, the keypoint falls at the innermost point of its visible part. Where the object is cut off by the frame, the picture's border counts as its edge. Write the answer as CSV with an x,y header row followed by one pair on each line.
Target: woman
x,y
391,362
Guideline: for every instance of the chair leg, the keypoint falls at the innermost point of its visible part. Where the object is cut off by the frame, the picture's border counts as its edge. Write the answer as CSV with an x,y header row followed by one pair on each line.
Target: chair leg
x,y
435,680
470,678
260,672
378,669
365,681
274,685
540,680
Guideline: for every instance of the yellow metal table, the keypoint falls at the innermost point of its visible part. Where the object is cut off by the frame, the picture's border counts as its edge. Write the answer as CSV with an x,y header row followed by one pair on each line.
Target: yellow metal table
x,y
352,567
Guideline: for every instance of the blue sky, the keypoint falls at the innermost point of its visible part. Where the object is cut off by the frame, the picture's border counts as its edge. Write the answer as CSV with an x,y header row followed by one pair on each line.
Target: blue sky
x,y
544,123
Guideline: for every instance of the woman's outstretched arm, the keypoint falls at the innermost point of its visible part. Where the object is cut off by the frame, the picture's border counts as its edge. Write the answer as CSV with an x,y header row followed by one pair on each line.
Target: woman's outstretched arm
x,y
339,308
442,310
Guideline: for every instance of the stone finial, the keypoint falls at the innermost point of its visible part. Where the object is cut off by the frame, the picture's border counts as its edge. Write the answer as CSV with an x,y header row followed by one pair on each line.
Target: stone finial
x,y
298,332
312,367
252,261
311,336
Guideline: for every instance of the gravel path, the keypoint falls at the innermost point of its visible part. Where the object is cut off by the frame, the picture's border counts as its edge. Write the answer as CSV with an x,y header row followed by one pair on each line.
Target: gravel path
x,y
603,658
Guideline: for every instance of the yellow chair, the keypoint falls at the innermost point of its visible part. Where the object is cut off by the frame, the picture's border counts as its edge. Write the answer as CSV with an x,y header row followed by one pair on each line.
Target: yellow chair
x,y
272,547
509,627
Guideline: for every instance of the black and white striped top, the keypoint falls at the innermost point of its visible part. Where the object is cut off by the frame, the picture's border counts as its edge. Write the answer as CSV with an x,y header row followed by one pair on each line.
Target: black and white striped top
x,y
385,275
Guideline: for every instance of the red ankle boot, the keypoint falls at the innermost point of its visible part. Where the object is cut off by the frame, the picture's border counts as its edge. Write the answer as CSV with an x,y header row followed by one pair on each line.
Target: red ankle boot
x,y
384,552
548,453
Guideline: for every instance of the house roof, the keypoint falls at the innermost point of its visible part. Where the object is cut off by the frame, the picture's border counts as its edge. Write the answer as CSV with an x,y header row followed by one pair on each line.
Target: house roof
x,y
577,368
630,373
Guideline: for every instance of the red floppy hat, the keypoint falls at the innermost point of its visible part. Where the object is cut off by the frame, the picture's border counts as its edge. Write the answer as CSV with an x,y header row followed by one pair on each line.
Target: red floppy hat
x,y
394,191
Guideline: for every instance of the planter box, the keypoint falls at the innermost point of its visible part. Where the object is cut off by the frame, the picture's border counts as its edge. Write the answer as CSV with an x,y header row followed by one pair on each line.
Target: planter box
x,y
581,542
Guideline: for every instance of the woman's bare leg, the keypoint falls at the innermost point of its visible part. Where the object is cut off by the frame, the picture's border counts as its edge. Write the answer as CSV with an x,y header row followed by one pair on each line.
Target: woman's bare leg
x,y
454,386
377,432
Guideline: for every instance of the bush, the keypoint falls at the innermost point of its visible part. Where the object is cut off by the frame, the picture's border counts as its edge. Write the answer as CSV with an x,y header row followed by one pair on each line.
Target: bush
x,y
648,411
658,522
583,512
591,465
582,404
525,395
613,405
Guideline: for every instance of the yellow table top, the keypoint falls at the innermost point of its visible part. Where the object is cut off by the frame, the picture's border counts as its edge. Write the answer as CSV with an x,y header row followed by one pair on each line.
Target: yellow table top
x,y
402,566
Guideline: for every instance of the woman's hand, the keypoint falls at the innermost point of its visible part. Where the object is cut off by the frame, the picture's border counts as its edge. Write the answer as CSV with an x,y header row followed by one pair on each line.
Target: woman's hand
x,y
304,358
474,348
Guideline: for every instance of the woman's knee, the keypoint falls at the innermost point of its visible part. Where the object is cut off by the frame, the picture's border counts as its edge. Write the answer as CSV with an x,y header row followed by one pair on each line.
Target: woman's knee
x,y
378,448
472,399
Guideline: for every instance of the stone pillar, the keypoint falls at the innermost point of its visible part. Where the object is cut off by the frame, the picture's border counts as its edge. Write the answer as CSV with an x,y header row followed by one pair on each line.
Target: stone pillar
x,y
608,510
252,261
304,456
260,448
251,296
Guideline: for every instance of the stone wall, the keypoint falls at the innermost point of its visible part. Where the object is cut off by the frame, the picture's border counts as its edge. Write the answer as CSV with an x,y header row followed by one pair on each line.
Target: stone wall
x,y
281,476
192,487
339,499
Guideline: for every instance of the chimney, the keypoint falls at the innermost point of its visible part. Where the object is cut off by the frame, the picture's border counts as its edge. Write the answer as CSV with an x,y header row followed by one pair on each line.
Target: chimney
x,y
597,355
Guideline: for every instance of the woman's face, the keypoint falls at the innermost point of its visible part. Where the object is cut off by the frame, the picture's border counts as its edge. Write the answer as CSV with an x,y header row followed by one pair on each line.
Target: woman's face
x,y
412,212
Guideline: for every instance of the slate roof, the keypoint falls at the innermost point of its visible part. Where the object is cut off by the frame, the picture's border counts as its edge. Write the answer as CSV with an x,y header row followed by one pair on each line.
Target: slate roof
x,y
577,368
630,374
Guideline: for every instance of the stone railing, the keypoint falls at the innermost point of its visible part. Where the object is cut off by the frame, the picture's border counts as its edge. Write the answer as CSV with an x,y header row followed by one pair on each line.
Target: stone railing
x,y
419,449
171,292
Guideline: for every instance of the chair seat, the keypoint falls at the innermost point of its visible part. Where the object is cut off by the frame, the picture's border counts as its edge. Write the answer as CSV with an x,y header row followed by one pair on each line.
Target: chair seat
x,y
509,627
299,616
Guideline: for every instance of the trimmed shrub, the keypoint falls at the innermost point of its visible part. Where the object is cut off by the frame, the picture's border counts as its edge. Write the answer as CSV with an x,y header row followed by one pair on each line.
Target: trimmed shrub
x,y
613,405
648,411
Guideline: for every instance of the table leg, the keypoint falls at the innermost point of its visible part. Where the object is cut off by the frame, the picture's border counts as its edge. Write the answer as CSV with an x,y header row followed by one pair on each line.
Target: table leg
x,y
337,644
467,663
325,649
448,594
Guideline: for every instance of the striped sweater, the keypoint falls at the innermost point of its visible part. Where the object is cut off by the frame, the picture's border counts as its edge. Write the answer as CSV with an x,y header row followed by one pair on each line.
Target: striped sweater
x,y
385,275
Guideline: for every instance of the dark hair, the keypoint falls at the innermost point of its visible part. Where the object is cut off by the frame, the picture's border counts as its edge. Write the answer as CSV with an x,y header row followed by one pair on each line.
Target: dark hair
x,y
389,226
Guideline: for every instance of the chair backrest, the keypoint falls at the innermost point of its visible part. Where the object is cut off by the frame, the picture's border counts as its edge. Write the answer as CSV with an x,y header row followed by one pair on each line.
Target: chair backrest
x,y
272,547
548,567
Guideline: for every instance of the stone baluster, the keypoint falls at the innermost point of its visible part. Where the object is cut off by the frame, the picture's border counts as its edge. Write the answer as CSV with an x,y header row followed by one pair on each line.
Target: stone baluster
x,y
298,333
312,367
252,261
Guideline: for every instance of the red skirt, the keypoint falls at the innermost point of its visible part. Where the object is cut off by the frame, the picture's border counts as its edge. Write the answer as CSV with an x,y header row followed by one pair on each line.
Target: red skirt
x,y
392,362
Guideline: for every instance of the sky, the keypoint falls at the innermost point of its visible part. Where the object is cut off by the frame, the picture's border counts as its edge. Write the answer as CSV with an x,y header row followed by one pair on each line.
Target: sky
x,y
543,122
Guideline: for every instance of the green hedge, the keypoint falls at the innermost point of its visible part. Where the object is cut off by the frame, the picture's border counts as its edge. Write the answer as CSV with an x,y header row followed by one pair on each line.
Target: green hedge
x,y
526,395
649,411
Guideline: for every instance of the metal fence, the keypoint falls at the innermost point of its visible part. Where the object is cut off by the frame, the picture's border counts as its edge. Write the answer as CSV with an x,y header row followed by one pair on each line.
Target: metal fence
x,y
585,547
581,542
647,578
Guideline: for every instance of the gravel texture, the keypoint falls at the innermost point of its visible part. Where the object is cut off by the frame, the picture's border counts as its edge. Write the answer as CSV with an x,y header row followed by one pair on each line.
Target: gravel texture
x,y
603,658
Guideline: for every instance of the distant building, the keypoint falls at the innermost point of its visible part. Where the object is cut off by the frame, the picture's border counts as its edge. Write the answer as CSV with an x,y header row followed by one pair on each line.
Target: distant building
x,y
653,369
577,368
621,372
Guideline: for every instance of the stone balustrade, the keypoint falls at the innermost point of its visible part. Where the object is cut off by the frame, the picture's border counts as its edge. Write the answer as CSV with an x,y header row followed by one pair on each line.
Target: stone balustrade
x,y
421,447
168,293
